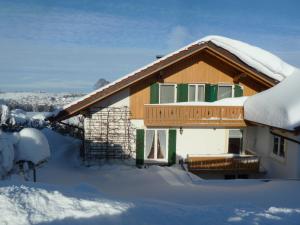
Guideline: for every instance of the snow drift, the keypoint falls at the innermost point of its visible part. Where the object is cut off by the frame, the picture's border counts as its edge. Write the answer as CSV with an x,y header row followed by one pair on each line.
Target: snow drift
x,y
278,106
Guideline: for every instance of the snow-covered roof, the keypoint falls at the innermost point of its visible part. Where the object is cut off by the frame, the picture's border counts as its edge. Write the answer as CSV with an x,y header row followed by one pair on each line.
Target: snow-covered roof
x,y
257,58
223,102
278,106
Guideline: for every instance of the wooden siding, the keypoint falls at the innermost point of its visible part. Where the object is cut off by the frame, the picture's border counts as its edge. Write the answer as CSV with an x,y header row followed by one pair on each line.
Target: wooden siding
x,y
194,116
199,68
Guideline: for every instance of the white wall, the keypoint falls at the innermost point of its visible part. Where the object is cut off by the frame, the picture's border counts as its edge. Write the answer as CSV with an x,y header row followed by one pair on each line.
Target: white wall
x,y
260,141
201,141
116,100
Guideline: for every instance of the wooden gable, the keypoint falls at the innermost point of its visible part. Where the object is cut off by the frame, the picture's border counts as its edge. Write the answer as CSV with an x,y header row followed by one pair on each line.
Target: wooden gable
x,y
202,67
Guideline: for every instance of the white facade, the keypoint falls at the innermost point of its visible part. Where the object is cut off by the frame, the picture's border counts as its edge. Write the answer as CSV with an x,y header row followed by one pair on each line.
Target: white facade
x,y
201,141
260,141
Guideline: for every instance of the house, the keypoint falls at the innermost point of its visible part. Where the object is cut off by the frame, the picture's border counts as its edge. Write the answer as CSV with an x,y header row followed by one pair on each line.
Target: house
x,y
275,136
187,105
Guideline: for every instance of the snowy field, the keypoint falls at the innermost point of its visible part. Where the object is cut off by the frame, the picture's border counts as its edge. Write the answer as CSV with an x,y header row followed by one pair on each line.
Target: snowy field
x,y
117,193
36,101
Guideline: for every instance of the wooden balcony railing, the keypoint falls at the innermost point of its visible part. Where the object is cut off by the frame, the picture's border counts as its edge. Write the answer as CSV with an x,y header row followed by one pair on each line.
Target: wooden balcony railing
x,y
194,116
236,164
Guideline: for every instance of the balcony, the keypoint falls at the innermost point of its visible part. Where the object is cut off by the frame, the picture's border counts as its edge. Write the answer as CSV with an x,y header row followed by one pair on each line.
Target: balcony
x,y
194,116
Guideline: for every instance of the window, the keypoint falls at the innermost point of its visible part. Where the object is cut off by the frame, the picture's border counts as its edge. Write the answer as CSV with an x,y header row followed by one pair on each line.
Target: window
x,y
279,146
167,93
156,145
224,91
235,141
196,93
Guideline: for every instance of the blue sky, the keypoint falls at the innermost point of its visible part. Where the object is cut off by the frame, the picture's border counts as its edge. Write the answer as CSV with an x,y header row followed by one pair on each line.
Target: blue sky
x,y
60,45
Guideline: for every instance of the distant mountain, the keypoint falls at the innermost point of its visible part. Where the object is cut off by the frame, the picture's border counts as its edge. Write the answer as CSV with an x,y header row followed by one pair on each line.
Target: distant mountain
x,y
100,83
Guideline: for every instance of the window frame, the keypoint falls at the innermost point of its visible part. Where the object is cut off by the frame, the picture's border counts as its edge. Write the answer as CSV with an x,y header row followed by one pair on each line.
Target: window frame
x,y
225,85
155,159
276,154
175,92
196,91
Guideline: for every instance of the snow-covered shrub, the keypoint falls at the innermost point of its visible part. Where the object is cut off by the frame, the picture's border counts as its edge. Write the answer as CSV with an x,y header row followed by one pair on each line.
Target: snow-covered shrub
x,y
6,153
33,146
4,114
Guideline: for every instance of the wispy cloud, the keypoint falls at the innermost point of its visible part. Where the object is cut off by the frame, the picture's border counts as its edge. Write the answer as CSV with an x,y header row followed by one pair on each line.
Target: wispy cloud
x,y
178,37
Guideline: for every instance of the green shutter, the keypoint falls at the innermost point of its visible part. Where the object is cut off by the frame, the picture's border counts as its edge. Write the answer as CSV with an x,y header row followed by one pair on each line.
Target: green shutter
x,y
154,93
182,92
211,92
172,147
238,91
140,133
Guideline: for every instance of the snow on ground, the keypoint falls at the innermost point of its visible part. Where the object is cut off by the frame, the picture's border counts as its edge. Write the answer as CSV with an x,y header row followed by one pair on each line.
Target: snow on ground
x,y
120,193
36,101
278,106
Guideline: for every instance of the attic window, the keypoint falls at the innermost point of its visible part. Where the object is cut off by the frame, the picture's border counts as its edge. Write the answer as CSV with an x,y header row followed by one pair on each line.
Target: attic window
x,y
224,91
196,92
167,93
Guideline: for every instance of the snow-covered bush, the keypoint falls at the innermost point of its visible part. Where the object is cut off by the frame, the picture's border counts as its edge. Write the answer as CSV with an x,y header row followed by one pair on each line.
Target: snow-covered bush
x,y
28,145
6,153
32,146
4,114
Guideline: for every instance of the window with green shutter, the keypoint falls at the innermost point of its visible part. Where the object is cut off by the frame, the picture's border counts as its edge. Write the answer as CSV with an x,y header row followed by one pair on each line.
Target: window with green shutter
x,y
172,147
182,92
154,93
238,91
140,133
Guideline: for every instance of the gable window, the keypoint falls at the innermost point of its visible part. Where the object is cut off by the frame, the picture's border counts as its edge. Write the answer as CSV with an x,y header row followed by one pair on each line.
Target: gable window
x,y
196,93
167,93
156,145
279,146
224,91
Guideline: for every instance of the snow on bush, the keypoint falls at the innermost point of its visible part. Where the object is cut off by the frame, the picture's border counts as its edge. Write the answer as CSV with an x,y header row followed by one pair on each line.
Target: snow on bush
x,y
6,153
32,146
4,114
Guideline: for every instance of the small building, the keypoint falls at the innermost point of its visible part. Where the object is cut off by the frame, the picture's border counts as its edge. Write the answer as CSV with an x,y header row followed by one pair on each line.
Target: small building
x,y
184,107
275,138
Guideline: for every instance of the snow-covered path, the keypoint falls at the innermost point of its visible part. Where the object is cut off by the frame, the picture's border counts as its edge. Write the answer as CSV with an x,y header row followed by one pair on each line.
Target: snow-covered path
x,y
69,193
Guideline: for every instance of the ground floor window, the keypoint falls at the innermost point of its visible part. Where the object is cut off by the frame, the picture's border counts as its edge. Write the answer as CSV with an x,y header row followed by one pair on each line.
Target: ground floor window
x,y
279,146
235,142
156,144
